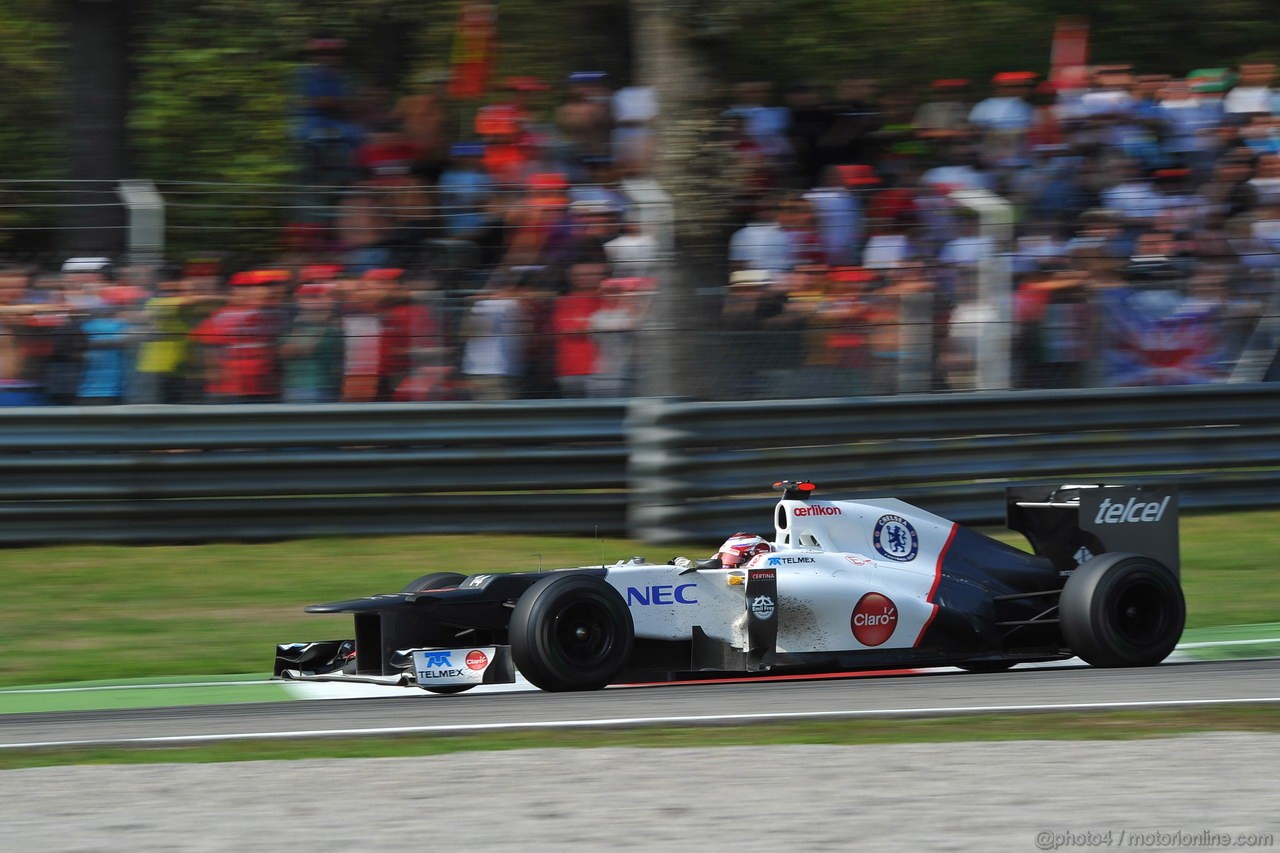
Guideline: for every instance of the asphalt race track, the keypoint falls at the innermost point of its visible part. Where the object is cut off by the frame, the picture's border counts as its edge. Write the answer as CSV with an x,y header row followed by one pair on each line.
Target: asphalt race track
x,y
920,694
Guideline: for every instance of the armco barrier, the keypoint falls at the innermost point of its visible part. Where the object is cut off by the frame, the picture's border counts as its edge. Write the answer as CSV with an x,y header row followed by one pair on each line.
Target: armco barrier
x,y
184,474
697,469
659,469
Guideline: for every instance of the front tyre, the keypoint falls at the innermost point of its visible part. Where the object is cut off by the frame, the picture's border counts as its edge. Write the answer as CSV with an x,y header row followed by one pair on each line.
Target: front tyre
x,y
435,580
571,632
1122,610
448,690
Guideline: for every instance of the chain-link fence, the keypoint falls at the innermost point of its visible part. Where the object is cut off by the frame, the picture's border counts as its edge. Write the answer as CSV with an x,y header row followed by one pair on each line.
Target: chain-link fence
x,y
399,289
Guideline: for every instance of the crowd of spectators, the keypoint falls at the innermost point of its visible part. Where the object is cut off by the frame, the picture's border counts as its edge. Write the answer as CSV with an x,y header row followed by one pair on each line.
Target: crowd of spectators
x,y
507,258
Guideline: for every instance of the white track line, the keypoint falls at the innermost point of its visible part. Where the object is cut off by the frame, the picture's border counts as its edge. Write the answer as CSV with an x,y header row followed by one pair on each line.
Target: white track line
x,y
633,722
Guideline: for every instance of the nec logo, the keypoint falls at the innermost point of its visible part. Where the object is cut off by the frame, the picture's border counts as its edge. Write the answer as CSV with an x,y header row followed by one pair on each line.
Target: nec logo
x,y
433,659
663,594
1134,511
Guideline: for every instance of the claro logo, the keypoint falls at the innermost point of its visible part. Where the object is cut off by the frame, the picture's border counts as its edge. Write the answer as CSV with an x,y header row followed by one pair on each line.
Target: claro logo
x,y
1134,511
874,618
802,511
663,594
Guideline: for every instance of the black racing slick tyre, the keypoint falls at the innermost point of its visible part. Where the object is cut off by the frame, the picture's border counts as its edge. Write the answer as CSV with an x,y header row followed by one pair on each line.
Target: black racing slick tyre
x,y
438,580
571,632
435,580
1122,610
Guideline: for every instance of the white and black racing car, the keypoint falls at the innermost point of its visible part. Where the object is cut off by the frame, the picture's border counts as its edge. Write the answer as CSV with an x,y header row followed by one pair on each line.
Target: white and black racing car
x,y
844,585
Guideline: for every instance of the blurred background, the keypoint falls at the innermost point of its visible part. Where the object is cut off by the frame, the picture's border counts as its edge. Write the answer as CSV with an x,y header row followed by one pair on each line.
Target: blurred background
x,y
376,200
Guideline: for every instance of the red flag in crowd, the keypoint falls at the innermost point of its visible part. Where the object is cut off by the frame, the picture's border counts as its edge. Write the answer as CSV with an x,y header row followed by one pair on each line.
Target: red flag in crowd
x,y
474,49
1070,55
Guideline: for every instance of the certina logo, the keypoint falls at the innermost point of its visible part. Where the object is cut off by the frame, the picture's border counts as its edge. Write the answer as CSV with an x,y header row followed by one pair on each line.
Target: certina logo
x,y
762,606
431,659
477,659
778,561
895,538
802,511
662,594
874,618
763,576
1135,511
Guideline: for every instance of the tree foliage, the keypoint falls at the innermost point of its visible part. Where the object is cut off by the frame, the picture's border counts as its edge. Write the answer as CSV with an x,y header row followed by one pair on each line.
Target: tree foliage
x,y
213,84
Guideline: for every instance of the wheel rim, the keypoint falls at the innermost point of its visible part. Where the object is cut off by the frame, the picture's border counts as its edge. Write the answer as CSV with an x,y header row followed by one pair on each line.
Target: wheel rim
x,y
584,633
1140,613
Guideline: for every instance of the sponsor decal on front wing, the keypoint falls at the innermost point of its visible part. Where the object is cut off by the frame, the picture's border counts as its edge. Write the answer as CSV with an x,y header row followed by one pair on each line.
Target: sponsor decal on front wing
x,y
451,666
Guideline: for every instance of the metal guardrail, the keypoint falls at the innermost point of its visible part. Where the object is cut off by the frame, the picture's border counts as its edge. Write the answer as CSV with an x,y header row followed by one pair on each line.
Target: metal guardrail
x,y
659,469
183,474
697,468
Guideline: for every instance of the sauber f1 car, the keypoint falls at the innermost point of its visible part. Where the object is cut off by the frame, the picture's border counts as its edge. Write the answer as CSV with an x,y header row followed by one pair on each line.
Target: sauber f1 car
x,y
844,585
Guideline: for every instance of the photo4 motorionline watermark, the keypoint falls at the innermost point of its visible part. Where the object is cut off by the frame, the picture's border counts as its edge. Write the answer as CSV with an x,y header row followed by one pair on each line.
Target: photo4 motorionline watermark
x,y
1051,839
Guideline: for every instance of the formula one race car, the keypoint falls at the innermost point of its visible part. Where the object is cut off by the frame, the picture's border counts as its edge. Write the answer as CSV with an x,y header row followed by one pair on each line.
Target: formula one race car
x,y
844,585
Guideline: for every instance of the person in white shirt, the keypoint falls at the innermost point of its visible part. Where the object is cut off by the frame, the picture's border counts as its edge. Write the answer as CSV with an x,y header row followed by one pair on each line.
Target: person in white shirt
x,y
1252,95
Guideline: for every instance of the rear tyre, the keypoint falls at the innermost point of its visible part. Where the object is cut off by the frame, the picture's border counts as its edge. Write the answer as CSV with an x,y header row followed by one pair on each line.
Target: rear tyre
x,y
435,580
571,632
1122,610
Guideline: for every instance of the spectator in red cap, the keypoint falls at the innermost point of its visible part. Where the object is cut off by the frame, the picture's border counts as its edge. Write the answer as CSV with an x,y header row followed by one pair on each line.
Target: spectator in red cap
x,y
945,116
362,333
539,225
242,339
613,326
505,159
1004,118
837,354
838,209
410,331
387,164
311,351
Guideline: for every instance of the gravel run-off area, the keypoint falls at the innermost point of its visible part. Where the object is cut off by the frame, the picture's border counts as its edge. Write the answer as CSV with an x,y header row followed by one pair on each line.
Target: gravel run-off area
x,y
1020,795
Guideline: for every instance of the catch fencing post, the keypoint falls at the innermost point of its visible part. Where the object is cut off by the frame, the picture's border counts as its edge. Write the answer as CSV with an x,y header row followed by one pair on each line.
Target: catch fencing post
x,y
146,220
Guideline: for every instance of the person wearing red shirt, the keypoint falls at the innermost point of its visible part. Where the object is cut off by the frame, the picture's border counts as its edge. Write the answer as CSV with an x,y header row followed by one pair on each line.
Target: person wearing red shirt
x,y
409,331
571,324
242,340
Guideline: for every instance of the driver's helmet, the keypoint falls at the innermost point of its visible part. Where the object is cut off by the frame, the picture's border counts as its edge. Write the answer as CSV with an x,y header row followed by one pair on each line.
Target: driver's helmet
x,y
739,548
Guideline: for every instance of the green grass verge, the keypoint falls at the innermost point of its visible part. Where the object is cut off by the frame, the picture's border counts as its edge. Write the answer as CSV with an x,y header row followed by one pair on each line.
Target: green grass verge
x,y
1096,725
84,613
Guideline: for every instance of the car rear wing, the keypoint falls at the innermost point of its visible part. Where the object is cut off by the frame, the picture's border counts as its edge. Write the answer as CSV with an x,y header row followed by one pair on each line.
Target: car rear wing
x,y
1069,524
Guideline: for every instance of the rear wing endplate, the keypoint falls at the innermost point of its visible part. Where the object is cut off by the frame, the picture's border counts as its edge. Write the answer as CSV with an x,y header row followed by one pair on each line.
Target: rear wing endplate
x,y
1069,524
